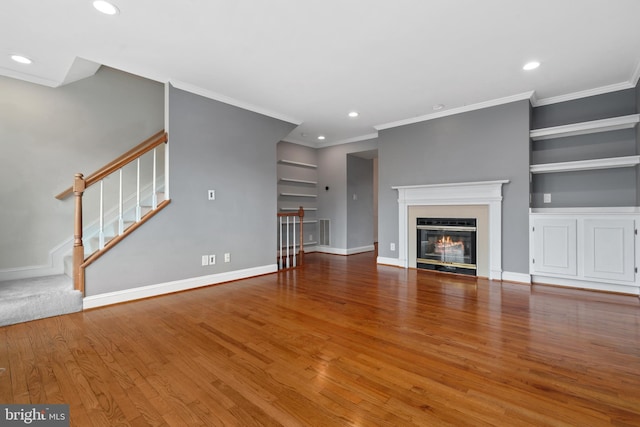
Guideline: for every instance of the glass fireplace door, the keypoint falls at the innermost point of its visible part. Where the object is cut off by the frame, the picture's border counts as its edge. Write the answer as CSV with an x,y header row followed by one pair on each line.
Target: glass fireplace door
x,y
447,248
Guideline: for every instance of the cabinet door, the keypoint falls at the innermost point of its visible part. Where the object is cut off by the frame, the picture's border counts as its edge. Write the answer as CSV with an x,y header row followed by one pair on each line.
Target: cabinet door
x,y
609,249
554,246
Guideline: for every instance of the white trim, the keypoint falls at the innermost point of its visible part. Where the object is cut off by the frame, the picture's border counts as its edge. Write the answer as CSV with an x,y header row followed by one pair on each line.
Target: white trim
x,y
464,109
516,277
330,250
361,249
585,128
304,143
174,286
584,93
232,101
349,140
395,262
636,76
342,251
583,165
614,210
464,193
583,284
55,266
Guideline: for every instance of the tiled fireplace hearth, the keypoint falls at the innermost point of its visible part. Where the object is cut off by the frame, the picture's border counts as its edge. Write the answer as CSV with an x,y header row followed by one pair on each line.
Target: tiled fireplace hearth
x,y
481,200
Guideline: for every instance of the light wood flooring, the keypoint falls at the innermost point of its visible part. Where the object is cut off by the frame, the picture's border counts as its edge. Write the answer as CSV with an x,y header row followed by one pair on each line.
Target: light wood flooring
x,y
341,342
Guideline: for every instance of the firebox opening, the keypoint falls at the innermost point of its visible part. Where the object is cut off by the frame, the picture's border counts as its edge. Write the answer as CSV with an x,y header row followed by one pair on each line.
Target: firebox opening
x,y
447,244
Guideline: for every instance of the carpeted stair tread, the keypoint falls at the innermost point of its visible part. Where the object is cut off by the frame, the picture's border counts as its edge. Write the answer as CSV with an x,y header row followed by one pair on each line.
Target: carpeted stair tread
x,y
36,298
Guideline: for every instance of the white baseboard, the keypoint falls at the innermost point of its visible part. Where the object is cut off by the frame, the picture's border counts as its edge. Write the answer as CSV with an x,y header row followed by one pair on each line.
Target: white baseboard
x,y
341,251
390,261
55,266
516,277
582,284
361,249
174,286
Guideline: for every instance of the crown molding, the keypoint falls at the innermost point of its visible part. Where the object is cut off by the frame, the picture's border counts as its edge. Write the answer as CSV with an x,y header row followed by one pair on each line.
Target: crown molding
x,y
636,76
232,101
349,140
582,94
305,143
479,106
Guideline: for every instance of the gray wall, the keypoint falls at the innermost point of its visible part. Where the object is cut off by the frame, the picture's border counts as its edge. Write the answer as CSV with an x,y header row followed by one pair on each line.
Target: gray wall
x,y
607,187
360,211
47,135
211,146
332,173
482,145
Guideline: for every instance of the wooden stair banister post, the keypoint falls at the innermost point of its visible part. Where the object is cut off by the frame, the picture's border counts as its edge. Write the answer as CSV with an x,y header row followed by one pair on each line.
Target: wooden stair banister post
x,y
79,186
301,253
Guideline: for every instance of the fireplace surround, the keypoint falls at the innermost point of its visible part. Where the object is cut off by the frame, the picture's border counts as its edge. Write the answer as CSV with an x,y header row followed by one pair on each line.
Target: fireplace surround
x,y
483,196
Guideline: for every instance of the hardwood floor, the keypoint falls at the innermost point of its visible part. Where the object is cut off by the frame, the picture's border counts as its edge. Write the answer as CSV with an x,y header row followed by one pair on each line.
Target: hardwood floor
x,y
342,342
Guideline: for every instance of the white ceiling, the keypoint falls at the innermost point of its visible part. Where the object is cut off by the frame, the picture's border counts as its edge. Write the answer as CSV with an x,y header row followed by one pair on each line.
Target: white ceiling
x,y
313,61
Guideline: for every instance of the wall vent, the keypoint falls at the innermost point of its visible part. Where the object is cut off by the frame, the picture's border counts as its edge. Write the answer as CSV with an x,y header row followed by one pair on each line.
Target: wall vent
x,y
324,232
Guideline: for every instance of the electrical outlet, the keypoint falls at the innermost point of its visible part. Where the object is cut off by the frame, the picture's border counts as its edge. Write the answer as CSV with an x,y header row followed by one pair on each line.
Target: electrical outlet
x,y
212,259
547,198
227,257
205,260
310,237
212,194
393,246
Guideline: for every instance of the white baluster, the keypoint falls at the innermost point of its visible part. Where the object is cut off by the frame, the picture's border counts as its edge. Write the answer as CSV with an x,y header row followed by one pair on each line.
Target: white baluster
x,y
138,207
280,240
288,262
294,241
154,196
101,232
120,207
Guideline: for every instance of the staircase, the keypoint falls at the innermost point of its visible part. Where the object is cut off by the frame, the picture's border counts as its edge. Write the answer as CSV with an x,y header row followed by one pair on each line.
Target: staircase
x,y
36,298
139,192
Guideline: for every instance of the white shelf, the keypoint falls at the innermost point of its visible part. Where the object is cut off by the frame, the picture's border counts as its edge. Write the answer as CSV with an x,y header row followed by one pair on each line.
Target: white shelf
x,y
292,163
584,128
296,209
299,181
298,195
582,165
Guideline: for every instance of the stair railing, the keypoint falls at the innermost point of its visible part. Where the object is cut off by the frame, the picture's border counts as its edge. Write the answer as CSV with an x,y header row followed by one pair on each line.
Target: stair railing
x,y
81,184
287,239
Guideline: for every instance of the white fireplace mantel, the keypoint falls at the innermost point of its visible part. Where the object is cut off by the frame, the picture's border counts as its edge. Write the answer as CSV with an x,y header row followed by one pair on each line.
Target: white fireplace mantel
x,y
464,193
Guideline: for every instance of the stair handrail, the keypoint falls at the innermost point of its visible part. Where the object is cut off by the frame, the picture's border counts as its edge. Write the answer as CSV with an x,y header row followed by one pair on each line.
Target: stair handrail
x,y
80,184
121,161
283,261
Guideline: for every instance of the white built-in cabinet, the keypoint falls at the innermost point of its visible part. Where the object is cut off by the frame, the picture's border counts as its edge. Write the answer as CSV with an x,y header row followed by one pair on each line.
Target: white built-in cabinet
x,y
586,248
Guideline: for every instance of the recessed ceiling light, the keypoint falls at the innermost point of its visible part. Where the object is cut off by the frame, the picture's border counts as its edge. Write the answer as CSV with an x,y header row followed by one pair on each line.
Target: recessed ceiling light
x,y
105,7
438,107
354,114
321,137
21,59
531,65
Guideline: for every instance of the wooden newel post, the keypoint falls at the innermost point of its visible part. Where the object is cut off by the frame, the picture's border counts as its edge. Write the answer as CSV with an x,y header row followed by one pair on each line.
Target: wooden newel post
x,y
301,253
78,248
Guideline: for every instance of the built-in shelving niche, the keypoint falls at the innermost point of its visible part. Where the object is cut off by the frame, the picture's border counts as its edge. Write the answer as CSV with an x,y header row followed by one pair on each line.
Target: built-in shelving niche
x,y
297,186
614,142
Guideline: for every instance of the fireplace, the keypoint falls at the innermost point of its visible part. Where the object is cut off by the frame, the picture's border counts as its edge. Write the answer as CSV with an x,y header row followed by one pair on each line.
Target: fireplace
x,y
481,200
447,244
